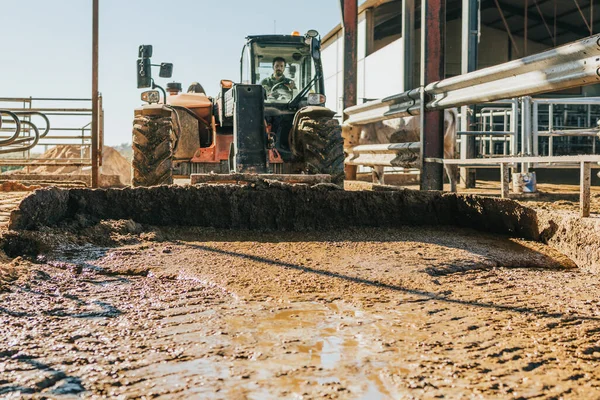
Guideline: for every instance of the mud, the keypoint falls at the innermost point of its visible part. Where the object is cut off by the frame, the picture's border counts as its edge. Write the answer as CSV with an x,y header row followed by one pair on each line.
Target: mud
x,y
410,312
314,308
578,238
273,206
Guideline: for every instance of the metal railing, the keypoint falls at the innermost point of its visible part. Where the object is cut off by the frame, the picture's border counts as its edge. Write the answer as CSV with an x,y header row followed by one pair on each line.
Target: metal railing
x,y
547,124
572,65
68,123
20,119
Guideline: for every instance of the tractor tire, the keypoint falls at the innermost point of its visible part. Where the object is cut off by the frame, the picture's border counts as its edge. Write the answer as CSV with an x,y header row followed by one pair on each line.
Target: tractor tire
x,y
152,162
322,147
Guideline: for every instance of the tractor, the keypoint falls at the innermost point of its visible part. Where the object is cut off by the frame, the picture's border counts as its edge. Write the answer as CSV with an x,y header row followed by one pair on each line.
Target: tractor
x,y
247,128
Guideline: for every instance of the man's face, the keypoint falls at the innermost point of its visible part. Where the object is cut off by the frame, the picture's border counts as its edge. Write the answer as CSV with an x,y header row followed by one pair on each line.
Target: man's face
x,y
278,68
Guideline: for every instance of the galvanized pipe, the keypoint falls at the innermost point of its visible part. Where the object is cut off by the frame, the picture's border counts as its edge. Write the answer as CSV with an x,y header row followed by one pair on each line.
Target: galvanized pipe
x,y
408,45
17,123
29,99
35,139
578,51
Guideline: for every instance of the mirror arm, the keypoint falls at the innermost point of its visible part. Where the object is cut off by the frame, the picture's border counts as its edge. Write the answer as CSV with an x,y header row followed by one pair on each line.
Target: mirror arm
x,y
155,86
294,102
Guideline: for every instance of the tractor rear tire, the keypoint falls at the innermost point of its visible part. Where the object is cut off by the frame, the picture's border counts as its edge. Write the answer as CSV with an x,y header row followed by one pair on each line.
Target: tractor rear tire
x,y
323,147
152,162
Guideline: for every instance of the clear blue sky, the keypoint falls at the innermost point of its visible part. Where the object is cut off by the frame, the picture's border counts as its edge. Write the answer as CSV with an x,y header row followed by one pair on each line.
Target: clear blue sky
x,y
46,48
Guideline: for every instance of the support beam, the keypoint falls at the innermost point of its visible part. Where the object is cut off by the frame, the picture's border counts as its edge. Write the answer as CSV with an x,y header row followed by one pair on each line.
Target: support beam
x,y
485,4
408,42
510,36
583,16
505,179
95,94
470,45
350,24
545,24
433,21
577,30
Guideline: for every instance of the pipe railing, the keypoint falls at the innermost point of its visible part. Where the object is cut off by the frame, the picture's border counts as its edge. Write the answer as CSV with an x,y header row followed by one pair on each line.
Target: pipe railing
x,y
590,130
572,65
18,134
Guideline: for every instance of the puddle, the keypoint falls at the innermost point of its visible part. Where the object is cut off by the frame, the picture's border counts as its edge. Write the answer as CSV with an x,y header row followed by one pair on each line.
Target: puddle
x,y
328,345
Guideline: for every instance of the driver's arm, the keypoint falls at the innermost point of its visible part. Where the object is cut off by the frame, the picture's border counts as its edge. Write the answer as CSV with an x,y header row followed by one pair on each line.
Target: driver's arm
x,y
265,84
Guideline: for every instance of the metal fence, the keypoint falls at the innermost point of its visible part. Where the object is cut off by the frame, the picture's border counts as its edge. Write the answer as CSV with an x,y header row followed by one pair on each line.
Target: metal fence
x,y
65,122
572,65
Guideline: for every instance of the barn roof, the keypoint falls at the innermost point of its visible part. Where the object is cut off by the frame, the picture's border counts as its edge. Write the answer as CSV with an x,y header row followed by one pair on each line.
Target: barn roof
x,y
550,22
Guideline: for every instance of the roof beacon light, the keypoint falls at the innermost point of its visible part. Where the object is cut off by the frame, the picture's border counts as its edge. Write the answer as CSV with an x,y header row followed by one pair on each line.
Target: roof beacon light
x,y
295,33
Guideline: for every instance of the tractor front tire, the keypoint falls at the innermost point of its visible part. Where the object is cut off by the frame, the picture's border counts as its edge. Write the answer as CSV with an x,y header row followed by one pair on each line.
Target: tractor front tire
x,y
323,147
152,162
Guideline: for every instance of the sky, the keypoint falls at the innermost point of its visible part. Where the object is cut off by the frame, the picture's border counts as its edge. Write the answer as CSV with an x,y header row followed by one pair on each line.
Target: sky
x,y
47,45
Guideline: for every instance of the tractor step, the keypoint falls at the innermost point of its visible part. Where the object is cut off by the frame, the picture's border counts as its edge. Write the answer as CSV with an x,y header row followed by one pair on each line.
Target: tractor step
x,y
252,178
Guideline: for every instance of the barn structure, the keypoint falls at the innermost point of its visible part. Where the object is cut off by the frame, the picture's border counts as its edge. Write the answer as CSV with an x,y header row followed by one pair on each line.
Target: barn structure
x,y
474,34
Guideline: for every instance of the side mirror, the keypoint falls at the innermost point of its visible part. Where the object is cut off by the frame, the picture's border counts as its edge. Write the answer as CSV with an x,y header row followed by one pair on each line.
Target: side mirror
x,y
145,51
292,69
166,70
315,48
144,74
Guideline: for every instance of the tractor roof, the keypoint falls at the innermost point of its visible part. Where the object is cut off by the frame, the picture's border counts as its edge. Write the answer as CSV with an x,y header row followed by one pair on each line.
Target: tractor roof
x,y
276,39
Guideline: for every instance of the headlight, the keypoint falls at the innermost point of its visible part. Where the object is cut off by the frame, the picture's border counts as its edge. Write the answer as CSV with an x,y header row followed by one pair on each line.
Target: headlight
x,y
315,98
151,96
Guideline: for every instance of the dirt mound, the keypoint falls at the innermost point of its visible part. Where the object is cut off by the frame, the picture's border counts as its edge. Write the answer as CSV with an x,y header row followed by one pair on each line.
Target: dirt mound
x,y
14,186
113,163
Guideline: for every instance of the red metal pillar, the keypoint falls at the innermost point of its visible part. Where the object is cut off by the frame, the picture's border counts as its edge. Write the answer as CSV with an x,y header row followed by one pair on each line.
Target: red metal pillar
x,y
95,101
350,23
433,21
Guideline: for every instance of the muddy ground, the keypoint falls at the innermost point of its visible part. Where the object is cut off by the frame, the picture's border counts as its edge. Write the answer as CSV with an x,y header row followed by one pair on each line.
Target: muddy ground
x,y
124,310
550,196
121,309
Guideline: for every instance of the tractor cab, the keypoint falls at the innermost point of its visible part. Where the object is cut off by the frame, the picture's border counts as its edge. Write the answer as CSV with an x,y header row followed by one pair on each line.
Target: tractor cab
x,y
298,80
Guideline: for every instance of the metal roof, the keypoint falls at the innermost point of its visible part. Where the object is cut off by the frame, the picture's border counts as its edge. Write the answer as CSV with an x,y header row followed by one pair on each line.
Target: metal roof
x,y
550,22
568,20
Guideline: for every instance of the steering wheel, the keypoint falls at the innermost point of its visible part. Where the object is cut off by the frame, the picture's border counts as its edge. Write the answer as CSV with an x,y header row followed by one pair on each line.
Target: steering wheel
x,y
281,85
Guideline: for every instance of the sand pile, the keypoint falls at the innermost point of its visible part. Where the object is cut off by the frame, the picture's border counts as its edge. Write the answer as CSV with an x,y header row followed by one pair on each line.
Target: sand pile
x,y
14,186
113,163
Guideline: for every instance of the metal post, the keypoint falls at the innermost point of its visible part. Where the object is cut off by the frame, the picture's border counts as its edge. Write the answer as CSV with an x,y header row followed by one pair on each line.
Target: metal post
x,y
468,63
526,26
550,129
514,127
536,128
584,189
408,33
100,130
433,21
350,23
525,130
94,150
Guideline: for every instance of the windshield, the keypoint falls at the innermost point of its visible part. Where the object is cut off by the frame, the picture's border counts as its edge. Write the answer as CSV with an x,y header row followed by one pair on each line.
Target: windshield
x,y
283,79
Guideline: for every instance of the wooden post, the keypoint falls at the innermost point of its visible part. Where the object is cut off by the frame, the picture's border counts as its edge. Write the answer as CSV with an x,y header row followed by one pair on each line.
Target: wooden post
x,y
504,179
584,187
